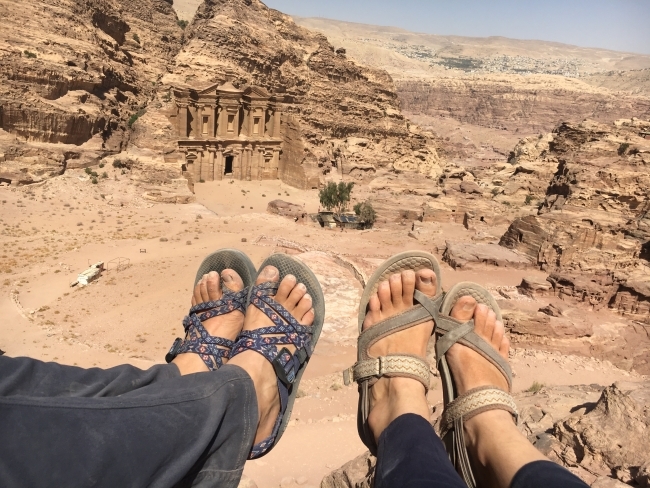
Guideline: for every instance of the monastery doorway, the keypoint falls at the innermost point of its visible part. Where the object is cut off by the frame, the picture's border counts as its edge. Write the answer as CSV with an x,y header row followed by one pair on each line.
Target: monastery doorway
x,y
227,169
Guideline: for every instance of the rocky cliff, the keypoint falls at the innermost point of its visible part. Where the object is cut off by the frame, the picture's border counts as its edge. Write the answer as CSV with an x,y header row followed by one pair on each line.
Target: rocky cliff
x,y
526,104
77,73
592,230
338,116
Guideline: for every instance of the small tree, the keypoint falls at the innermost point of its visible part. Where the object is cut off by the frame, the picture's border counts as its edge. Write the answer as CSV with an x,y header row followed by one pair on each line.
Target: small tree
x,y
366,213
335,196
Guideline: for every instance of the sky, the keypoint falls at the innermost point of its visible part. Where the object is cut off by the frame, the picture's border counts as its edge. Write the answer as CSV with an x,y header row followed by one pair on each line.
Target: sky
x,y
621,25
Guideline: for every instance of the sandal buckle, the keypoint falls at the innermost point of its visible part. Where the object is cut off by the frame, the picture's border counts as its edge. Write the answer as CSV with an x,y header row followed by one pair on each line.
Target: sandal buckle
x,y
173,351
286,378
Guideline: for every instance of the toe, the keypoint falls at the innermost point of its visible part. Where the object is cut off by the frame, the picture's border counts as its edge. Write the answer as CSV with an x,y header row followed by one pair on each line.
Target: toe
x,y
374,310
303,306
308,318
497,335
426,282
197,292
408,287
287,285
395,284
295,296
232,280
484,319
504,348
213,286
269,273
464,308
203,289
384,295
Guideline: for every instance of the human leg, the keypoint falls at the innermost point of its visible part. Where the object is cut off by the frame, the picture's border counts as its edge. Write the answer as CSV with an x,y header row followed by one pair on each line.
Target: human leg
x,y
499,454
194,430
409,453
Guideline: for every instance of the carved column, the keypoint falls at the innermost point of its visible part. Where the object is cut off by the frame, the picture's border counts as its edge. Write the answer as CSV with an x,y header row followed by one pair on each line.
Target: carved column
x,y
199,121
182,120
210,165
277,115
198,163
218,167
237,165
212,120
275,163
252,170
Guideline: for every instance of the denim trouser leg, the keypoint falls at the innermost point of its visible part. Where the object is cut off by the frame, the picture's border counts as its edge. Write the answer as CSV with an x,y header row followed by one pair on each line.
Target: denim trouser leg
x,y
411,455
123,427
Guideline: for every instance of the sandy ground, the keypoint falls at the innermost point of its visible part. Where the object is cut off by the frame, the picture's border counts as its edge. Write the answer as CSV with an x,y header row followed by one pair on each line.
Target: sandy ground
x,y
50,233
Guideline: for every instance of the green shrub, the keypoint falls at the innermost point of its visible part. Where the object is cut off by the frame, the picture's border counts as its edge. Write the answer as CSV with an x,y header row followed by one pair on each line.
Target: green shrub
x,y
133,119
104,175
622,149
535,387
136,38
101,165
529,199
366,212
88,171
94,180
182,24
334,196
29,54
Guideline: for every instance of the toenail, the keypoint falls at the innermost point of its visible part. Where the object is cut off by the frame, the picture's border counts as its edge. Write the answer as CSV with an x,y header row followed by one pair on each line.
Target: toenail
x,y
426,280
227,278
467,306
302,287
307,296
212,274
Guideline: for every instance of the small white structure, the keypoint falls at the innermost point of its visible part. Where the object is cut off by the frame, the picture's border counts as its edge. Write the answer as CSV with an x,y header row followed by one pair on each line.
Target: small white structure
x,y
91,274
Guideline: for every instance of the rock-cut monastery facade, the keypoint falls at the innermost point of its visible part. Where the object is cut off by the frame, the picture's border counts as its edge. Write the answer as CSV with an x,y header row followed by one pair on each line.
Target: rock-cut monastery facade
x,y
225,132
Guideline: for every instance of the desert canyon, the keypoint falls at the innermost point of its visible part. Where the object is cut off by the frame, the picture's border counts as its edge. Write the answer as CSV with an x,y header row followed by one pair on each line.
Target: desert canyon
x,y
148,134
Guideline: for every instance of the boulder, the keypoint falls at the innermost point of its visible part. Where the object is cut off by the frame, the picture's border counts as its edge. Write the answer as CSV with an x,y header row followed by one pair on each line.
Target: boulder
x,y
285,209
535,287
466,254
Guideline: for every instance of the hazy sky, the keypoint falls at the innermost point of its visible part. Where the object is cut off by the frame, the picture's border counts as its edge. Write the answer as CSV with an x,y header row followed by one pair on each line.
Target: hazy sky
x,y
622,25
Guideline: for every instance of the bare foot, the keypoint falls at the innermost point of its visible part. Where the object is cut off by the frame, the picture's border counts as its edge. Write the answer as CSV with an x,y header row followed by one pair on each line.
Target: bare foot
x,y
294,297
496,448
392,397
227,326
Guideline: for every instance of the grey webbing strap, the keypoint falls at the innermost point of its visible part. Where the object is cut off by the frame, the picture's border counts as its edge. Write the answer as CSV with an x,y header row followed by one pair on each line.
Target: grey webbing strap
x,y
464,334
432,305
444,343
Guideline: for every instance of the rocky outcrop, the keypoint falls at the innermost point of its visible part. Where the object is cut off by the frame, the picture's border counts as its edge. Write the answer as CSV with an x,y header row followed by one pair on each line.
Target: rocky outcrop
x,y
466,254
592,229
528,104
76,72
597,433
338,117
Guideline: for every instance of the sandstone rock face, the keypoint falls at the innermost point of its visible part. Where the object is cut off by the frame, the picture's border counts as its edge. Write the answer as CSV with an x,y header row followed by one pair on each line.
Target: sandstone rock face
x,y
611,437
597,433
530,104
339,117
73,72
466,255
592,231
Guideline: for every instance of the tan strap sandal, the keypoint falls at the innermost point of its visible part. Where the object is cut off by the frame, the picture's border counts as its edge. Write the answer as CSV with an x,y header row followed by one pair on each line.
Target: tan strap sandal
x,y
459,409
367,370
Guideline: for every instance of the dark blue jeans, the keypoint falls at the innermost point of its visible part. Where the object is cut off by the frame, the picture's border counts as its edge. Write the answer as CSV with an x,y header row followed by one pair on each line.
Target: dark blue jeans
x,y
63,426
411,455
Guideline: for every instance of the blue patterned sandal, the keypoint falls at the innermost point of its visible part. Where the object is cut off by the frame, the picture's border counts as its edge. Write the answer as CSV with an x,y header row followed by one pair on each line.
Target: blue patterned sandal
x,y
286,330
213,350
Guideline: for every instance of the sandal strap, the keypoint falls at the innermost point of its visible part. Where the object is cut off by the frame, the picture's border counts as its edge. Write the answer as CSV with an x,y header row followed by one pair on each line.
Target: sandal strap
x,y
393,365
198,340
474,402
453,331
286,330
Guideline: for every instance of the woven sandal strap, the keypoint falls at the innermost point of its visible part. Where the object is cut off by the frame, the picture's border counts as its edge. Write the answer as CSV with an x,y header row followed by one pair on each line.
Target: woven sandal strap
x,y
392,366
474,402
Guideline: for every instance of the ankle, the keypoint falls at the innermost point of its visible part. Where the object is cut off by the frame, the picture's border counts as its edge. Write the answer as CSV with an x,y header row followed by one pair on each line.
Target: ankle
x,y
482,431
